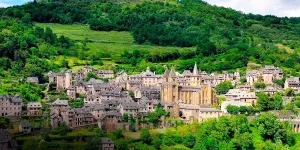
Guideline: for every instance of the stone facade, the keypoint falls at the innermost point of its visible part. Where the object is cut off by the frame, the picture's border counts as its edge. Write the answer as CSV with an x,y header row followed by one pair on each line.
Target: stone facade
x,y
293,83
207,113
10,106
109,74
197,95
34,109
107,143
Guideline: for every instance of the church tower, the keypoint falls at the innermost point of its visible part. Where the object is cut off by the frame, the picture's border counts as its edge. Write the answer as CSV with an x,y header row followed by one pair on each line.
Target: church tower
x,y
195,70
169,92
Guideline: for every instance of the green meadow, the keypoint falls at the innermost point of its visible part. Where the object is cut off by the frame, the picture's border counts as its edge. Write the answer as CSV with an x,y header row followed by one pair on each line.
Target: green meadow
x,y
113,42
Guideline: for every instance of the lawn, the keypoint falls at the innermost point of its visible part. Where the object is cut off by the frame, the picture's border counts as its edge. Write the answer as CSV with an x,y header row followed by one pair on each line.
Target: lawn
x,y
113,42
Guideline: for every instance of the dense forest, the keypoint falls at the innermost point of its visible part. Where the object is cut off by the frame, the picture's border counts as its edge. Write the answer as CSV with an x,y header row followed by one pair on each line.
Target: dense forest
x,y
225,39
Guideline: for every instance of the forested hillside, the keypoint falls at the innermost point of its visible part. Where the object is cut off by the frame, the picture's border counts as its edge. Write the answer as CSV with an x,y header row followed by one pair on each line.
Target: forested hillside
x,y
225,39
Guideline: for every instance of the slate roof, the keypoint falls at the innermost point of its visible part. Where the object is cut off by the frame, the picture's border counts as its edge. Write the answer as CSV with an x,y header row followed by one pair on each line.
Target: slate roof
x,y
60,102
34,105
105,140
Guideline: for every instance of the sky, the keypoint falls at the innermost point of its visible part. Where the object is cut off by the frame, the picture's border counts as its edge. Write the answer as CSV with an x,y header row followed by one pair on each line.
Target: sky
x,y
281,8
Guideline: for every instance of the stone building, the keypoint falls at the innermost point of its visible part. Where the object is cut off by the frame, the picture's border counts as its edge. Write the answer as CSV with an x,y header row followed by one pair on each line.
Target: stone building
x,y
147,78
63,80
238,95
266,74
172,92
25,127
77,117
34,109
108,74
293,83
107,143
10,106
110,121
207,113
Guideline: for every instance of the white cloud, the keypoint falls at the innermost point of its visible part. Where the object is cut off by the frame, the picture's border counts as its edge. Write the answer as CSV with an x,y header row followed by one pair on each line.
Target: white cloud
x,y
3,5
279,8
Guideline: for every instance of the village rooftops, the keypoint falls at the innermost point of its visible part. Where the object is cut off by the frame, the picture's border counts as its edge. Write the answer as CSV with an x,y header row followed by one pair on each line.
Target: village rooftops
x,y
105,72
94,81
130,105
12,99
60,103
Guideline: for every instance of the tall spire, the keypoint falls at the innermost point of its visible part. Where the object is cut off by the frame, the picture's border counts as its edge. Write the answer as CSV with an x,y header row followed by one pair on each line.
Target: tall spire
x,y
166,74
172,73
195,71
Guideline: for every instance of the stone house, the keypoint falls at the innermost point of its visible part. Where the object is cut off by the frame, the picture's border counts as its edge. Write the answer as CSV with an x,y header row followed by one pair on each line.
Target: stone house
x,y
270,90
108,74
293,83
77,117
63,80
34,109
252,76
107,143
131,108
11,106
71,92
25,127
147,78
270,73
110,121
238,95
56,109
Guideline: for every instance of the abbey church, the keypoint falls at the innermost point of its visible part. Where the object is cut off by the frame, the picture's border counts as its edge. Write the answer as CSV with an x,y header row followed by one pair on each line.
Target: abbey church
x,y
185,92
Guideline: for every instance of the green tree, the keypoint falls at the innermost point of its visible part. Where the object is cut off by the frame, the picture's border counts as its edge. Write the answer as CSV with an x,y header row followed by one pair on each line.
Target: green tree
x,y
94,143
146,136
122,145
234,110
199,146
289,92
157,143
26,18
189,141
271,128
278,102
259,85
223,87
263,102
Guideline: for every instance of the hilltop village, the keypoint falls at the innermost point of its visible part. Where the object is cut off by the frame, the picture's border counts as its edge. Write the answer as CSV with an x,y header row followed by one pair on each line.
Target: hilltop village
x,y
111,100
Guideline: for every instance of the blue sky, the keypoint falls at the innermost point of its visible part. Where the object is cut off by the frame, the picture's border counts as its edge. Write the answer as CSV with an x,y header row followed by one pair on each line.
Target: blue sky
x,y
282,8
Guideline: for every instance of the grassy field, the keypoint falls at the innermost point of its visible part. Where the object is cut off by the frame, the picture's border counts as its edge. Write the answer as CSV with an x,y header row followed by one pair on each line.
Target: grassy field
x,y
113,43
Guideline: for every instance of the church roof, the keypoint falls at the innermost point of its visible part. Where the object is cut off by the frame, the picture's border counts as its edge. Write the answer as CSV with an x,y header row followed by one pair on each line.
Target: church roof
x,y
172,73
